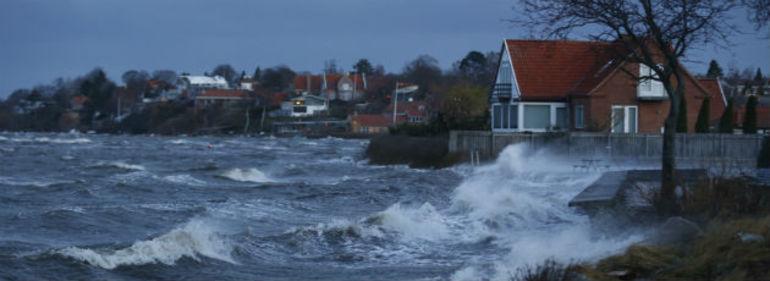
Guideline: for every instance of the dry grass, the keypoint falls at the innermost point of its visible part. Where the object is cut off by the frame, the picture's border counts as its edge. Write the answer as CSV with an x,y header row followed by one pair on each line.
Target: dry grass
x,y
720,254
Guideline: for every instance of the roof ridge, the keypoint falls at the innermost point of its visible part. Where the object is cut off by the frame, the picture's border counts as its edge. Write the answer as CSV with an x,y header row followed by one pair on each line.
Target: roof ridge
x,y
558,41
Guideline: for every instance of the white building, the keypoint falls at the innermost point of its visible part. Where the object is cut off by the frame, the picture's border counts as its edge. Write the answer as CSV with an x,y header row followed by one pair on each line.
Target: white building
x,y
194,84
306,105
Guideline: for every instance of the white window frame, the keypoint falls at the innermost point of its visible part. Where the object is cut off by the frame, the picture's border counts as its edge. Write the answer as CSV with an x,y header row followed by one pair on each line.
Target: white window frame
x,y
552,117
649,87
626,121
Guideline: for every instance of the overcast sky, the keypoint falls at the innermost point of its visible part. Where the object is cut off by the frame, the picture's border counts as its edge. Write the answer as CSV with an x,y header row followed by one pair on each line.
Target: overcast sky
x,y
41,40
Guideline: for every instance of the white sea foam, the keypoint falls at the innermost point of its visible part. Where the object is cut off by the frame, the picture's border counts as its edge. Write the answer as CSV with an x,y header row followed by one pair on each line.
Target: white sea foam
x,y
521,200
192,240
62,141
121,165
414,223
31,182
247,175
184,179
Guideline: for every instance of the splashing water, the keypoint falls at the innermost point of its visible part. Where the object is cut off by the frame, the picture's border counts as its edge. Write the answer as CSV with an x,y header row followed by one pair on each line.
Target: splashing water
x,y
194,239
249,175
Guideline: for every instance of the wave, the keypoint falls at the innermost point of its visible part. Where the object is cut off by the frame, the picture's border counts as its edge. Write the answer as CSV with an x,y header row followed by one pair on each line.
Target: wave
x,y
120,165
193,240
247,175
521,199
184,141
63,141
48,140
33,183
424,223
184,179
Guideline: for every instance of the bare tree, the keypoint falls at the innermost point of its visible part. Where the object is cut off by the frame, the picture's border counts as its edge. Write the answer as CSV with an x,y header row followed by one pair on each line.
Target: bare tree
x,y
759,12
656,33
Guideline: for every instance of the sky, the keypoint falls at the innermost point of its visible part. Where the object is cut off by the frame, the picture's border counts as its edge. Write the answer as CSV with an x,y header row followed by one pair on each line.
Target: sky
x,y
41,40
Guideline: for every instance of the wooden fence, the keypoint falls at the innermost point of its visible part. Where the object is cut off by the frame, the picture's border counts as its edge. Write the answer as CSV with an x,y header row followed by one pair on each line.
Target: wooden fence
x,y
643,147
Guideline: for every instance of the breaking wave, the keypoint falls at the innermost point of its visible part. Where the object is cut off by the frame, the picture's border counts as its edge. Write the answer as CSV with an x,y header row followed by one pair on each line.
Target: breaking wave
x,y
521,200
247,175
48,140
184,179
33,183
120,165
193,240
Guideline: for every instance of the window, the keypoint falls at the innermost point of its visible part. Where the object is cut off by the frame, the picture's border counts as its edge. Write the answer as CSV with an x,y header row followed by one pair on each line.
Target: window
x,y
496,112
505,117
514,116
561,118
579,121
537,116
649,88
624,119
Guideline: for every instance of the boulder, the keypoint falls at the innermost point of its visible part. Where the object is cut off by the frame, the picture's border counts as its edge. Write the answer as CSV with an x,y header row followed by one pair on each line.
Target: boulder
x,y
676,230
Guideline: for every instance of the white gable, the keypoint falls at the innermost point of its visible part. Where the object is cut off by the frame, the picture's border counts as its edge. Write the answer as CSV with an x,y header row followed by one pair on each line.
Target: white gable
x,y
506,73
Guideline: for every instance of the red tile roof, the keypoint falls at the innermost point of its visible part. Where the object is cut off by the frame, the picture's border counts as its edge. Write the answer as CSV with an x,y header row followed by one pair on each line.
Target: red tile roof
x,y
551,70
714,88
316,82
411,108
372,120
220,93
79,100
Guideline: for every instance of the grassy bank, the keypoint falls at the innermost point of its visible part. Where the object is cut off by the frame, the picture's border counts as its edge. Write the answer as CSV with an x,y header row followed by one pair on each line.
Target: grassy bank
x,y
734,244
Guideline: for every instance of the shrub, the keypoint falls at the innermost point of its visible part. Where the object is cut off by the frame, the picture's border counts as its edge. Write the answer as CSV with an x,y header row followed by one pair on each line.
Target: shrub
x,y
549,270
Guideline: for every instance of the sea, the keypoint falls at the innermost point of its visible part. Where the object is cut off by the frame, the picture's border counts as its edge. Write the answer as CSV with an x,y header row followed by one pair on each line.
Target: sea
x,y
116,207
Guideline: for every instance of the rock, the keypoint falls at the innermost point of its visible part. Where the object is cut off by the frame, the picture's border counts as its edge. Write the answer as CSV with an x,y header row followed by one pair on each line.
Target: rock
x,y
677,230
750,237
621,274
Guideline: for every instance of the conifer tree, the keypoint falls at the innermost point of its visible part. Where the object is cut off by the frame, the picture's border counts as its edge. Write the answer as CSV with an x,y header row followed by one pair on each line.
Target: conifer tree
x,y
726,122
715,71
750,118
681,120
702,125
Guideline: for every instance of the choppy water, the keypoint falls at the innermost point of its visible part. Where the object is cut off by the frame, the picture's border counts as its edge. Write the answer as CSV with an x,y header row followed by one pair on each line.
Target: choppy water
x,y
82,207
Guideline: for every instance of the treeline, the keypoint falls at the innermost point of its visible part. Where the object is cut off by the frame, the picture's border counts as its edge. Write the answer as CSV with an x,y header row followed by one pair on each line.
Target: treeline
x,y
456,97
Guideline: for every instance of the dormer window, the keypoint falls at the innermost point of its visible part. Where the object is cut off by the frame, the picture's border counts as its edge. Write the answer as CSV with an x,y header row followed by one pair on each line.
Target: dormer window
x,y
649,87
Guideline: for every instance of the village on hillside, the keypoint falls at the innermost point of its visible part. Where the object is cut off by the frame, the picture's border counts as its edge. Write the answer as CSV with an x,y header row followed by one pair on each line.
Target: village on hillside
x,y
505,91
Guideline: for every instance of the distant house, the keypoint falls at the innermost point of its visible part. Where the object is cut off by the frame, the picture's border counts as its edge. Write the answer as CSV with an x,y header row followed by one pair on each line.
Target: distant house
x,y
222,97
193,85
247,83
346,87
302,106
763,112
581,86
77,103
413,112
369,123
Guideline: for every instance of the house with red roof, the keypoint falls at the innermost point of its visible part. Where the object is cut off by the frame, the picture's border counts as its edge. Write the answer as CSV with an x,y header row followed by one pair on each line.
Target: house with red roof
x,y
223,97
369,123
762,111
413,112
546,85
346,87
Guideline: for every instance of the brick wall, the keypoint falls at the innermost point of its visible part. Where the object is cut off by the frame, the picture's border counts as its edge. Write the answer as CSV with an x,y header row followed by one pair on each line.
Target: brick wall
x,y
620,89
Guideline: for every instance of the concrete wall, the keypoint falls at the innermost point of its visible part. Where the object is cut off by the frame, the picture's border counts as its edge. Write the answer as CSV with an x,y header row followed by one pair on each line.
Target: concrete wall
x,y
737,150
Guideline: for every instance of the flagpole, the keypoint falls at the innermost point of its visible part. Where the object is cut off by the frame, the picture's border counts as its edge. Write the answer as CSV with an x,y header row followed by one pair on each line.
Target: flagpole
x,y
395,103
